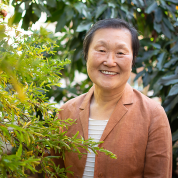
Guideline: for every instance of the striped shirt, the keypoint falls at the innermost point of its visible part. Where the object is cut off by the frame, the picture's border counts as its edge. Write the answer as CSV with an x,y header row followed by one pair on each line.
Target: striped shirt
x,y
95,131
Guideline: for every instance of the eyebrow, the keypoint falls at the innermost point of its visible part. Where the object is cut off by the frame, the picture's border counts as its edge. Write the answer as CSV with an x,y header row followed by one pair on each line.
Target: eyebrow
x,y
102,42
118,45
122,46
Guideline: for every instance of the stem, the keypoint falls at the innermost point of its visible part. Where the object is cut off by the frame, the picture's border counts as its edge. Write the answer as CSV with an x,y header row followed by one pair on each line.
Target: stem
x,y
23,144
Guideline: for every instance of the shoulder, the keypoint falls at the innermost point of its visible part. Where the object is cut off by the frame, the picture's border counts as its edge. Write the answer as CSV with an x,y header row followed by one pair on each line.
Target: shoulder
x,y
71,108
150,108
144,101
80,101
75,102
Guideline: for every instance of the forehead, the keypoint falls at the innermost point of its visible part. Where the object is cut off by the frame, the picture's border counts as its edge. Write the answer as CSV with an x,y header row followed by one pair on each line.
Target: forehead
x,y
106,34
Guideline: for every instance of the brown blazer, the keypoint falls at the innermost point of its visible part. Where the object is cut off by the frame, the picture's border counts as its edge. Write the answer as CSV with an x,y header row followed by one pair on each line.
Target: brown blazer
x,y
137,132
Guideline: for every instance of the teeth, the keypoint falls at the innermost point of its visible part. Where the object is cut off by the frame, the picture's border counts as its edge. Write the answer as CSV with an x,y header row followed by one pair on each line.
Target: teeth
x,y
109,73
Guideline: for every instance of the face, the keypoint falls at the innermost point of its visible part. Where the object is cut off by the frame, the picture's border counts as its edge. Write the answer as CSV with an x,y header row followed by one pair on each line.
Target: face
x,y
110,57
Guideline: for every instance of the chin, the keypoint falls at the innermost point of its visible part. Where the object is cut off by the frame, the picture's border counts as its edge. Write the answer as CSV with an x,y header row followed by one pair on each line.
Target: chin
x,y
108,87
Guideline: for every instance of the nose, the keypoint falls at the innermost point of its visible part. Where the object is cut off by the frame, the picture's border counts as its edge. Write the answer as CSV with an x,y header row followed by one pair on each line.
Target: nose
x,y
110,60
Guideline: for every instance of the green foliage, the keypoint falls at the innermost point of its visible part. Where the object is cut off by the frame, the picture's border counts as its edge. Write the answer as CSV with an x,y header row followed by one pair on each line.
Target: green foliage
x,y
29,68
157,24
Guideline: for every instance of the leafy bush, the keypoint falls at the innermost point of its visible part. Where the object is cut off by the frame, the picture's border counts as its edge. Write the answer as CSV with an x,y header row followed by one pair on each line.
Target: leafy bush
x,y
28,69
156,22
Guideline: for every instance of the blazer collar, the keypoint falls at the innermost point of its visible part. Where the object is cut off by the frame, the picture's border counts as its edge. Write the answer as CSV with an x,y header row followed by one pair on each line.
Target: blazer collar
x,y
119,111
127,97
85,111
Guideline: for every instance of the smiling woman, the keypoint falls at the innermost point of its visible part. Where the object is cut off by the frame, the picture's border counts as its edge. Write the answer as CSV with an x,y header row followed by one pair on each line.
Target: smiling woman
x,y
109,60
132,126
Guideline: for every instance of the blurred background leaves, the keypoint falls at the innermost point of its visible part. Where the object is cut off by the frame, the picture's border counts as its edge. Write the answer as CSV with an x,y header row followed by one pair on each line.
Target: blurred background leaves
x,y
156,22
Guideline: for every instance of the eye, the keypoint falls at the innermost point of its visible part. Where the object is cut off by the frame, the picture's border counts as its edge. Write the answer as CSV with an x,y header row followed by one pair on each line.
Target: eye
x,y
120,53
102,51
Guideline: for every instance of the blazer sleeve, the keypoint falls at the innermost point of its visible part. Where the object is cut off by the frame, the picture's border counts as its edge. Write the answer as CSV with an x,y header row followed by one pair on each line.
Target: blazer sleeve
x,y
158,160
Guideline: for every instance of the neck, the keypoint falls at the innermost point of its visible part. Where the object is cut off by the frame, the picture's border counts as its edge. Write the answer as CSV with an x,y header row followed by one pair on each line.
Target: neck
x,y
104,97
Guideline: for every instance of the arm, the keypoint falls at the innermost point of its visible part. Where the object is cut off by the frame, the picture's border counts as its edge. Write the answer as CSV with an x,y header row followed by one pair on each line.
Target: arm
x,y
158,161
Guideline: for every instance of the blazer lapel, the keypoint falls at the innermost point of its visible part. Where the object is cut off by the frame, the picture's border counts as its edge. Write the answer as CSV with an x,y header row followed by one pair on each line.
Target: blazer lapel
x,y
119,111
85,112
84,115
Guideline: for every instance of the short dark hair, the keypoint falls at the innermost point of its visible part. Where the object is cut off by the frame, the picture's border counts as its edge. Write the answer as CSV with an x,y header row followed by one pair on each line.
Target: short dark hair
x,y
111,23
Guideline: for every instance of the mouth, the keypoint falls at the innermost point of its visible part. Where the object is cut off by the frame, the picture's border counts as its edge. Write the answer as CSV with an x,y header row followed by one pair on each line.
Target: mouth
x,y
108,72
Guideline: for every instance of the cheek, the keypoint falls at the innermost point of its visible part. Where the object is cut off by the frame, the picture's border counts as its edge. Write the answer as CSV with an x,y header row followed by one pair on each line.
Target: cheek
x,y
125,63
96,56
90,66
94,60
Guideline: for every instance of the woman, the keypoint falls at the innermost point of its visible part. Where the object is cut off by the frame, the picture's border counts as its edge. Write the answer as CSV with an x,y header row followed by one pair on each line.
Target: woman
x,y
132,126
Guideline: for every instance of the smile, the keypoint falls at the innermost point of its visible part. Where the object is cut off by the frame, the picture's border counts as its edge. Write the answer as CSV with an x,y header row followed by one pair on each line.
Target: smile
x,y
108,73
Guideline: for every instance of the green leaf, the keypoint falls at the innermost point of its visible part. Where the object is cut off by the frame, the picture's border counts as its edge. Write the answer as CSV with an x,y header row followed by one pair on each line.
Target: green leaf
x,y
16,17
176,71
146,79
83,10
111,4
84,26
170,103
158,15
156,45
100,9
157,27
147,55
171,62
164,5
51,3
5,132
161,60
141,3
174,90
139,75
174,48
25,23
168,80
175,136
176,23
44,9
2,31
135,3
69,13
75,136
36,10
149,77
173,1
79,6
19,151
168,23
174,115
166,30
151,8
27,5
61,22
138,3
